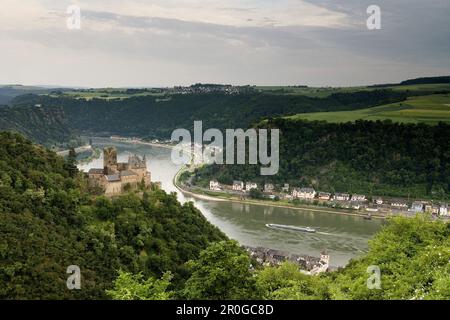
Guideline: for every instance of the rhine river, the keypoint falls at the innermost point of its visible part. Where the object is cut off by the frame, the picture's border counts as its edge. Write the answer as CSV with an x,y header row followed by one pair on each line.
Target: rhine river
x,y
344,237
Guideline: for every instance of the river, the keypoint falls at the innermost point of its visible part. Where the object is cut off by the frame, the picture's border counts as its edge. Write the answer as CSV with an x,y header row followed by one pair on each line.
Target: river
x,y
344,237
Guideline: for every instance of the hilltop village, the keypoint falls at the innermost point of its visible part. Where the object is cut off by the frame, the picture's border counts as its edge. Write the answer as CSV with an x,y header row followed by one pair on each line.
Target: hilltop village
x,y
305,195
117,177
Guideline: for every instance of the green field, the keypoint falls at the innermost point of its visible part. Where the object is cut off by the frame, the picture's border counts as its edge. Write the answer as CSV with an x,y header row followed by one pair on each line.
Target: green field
x,y
426,109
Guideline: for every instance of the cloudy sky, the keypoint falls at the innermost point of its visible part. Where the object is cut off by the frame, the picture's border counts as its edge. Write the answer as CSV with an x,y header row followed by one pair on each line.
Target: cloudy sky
x,y
180,42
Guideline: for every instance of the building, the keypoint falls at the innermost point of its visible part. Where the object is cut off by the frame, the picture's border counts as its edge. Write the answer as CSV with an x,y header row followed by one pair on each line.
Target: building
x,y
268,187
342,197
379,201
214,185
116,177
443,210
285,188
250,185
435,209
238,185
324,196
399,204
304,193
358,197
417,207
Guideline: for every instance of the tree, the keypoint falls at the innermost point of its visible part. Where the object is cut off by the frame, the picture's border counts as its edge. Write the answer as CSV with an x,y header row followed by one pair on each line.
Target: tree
x,y
256,194
222,272
71,163
286,282
133,287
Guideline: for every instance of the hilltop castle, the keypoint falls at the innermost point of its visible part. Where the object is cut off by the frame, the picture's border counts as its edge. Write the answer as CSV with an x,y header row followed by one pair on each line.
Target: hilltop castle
x,y
116,177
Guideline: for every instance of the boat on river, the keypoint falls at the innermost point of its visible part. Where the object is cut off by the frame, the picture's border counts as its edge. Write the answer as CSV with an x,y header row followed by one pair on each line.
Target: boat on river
x,y
294,228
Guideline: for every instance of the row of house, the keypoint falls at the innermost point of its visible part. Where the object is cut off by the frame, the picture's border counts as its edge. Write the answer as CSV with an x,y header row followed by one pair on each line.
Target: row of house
x,y
271,257
348,200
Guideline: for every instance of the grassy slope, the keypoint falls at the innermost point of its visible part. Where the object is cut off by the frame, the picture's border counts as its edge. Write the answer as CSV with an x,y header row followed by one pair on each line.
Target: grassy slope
x,y
427,109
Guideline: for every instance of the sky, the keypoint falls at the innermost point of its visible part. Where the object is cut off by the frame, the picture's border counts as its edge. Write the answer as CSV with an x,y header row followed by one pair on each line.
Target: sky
x,y
156,43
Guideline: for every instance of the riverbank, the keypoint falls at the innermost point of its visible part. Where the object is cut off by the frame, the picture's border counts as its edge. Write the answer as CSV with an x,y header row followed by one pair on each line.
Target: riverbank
x,y
265,203
84,148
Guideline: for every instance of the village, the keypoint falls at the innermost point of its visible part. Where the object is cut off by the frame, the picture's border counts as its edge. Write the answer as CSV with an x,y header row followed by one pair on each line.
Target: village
x,y
357,202
307,264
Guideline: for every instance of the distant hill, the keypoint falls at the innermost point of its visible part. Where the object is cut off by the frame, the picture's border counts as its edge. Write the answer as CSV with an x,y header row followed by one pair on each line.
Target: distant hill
x,y
153,117
427,80
9,92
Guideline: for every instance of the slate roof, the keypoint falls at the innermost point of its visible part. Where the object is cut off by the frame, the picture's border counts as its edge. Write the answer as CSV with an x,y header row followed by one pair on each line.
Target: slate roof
x,y
96,171
113,177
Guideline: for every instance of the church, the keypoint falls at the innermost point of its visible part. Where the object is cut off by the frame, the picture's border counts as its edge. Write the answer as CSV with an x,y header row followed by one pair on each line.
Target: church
x,y
117,177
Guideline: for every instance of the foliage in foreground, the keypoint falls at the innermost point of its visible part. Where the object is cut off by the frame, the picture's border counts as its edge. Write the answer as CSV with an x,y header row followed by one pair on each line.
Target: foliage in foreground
x,y
413,255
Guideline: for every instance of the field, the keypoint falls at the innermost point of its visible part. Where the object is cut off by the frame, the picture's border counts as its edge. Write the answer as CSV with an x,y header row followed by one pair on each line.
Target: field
x,y
322,92
106,94
424,109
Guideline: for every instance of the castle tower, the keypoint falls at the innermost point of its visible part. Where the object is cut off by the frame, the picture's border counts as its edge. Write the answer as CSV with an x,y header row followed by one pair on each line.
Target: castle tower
x,y
110,160
325,257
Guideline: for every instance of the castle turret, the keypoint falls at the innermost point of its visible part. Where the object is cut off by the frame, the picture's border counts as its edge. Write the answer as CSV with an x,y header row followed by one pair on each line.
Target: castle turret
x,y
110,160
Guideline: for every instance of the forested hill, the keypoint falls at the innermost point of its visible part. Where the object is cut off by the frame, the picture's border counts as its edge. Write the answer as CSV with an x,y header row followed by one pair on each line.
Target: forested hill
x,y
150,116
368,157
48,222
427,80
44,125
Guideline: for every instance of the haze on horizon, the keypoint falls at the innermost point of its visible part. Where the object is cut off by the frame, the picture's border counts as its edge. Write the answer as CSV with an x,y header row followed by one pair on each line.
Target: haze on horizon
x,y
154,43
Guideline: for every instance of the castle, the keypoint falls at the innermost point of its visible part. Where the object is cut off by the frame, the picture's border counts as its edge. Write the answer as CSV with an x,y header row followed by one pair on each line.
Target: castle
x,y
116,177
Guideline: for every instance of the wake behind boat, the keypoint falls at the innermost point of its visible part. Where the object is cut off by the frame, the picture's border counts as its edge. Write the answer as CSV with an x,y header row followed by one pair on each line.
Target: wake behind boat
x,y
294,228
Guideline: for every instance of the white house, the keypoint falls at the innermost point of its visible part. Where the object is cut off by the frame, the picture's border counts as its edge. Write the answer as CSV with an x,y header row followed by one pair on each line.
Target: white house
x,y
285,187
341,196
324,196
214,185
304,193
443,210
417,206
379,201
238,185
250,185
268,187
358,197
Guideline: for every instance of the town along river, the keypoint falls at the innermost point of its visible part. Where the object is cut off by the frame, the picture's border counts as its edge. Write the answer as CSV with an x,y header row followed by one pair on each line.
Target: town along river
x,y
344,237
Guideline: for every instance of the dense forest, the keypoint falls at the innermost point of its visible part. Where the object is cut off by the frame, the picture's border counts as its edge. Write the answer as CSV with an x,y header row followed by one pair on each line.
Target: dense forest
x,y
48,221
148,246
48,126
368,157
153,117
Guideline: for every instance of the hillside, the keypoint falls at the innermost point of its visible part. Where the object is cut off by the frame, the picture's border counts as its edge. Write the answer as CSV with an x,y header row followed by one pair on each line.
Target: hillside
x,y
149,116
422,109
48,222
43,125
368,157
